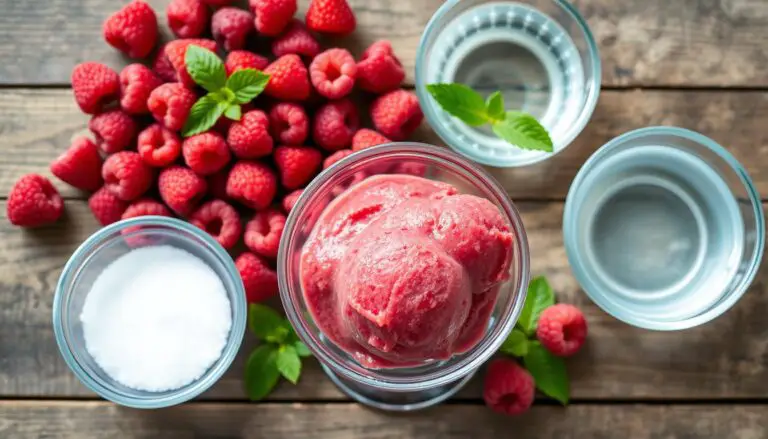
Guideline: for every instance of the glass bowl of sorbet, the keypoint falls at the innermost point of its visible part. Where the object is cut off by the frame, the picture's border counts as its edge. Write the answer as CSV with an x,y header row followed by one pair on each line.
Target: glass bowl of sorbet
x,y
403,268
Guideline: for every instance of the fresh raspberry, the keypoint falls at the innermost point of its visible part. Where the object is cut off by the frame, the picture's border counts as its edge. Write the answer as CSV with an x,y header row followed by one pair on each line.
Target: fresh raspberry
x,y
177,49
243,59
187,18
288,79
158,146
136,83
508,388
272,16
249,137
262,233
379,70
259,279
252,183
365,138
33,201
297,165
335,157
181,189
162,66
106,207
95,86
126,175
562,329
334,125
231,27
396,114
218,3
170,104
330,17
333,73
290,200
217,184
205,153
289,123
410,168
145,207
114,130
132,29
296,39
220,220
80,165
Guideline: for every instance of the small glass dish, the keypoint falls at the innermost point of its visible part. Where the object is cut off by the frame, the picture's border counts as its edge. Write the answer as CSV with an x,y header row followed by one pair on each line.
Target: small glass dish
x,y
85,265
539,53
406,388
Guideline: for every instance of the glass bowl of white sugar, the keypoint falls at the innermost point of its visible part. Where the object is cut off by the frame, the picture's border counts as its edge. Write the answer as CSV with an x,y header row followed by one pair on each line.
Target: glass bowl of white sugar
x,y
149,312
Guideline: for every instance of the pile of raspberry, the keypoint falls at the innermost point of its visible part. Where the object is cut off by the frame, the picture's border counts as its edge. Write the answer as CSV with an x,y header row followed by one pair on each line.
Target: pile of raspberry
x,y
239,180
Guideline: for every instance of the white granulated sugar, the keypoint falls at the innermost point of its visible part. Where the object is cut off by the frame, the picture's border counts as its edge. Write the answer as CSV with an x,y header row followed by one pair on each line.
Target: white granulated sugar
x,y
156,318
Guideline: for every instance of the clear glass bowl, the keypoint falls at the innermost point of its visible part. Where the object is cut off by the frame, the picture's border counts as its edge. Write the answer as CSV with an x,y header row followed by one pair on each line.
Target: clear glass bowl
x,y
407,388
88,261
539,53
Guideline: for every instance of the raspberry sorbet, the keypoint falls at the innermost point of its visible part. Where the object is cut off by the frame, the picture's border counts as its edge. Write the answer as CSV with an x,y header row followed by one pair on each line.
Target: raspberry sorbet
x,y
400,270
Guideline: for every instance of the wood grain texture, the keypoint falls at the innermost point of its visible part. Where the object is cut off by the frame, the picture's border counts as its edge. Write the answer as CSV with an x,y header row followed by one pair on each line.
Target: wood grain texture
x,y
723,359
710,43
37,125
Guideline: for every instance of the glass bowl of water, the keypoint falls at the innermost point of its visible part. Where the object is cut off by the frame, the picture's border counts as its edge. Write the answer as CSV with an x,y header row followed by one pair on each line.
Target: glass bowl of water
x,y
663,228
539,54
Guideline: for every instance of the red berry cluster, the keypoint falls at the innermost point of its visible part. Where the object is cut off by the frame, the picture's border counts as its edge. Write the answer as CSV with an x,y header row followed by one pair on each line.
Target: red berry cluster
x,y
257,165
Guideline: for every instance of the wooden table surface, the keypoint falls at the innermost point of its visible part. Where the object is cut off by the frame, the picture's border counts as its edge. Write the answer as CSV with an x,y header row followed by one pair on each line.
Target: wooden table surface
x,y
698,64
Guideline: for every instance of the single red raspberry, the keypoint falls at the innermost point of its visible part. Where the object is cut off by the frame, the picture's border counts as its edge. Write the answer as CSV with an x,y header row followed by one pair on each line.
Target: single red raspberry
x,y
335,157
379,70
217,184
296,39
220,220
365,138
106,207
297,165
33,202
562,329
396,114
330,17
158,146
262,233
259,279
290,200
272,16
132,29
95,86
80,165
243,59
231,27
145,207
289,123
410,168
187,18
334,125
114,130
288,79
333,73
170,104
176,51
136,83
249,137
126,175
162,66
218,3
508,388
252,183
205,153
181,189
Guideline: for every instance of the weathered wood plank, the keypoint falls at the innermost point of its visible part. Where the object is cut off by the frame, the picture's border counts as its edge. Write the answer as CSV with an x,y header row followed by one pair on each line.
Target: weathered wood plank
x,y
36,125
716,43
723,359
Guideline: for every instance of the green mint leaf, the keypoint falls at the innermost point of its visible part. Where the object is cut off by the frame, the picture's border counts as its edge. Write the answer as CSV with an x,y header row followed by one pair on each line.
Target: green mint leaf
x,y
516,344
203,115
461,101
302,349
246,84
548,372
233,112
266,323
523,131
261,372
206,68
289,363
494,106
540,296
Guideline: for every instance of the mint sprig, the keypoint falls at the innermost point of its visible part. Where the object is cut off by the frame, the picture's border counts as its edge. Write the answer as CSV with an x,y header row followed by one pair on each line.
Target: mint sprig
x,y
517,128
540,297
225,95
548,372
